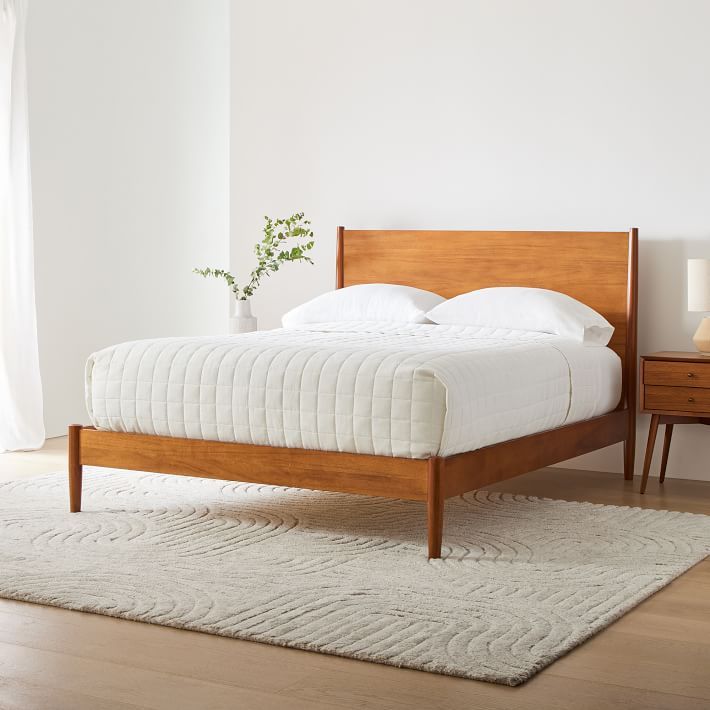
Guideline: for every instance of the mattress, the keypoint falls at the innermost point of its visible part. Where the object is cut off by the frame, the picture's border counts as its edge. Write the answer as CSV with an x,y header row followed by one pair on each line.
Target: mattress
x,y
388,389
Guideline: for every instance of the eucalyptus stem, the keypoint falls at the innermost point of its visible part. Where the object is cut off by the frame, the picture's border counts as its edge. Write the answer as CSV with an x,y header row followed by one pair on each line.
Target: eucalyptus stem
x,y
284,240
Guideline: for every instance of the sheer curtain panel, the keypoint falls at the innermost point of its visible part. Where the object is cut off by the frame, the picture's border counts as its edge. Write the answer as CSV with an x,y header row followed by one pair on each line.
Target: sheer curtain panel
x,y
21,420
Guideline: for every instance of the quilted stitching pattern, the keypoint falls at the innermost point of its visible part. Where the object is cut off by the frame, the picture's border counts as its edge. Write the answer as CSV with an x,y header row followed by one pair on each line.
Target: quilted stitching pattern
x,y
411,391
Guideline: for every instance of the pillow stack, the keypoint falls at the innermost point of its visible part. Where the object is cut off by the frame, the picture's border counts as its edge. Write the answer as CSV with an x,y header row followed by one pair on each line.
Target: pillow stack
x,y
508,307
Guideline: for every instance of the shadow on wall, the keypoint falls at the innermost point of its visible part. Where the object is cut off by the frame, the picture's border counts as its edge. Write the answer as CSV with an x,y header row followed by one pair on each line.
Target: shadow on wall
x,y
664,324
664,321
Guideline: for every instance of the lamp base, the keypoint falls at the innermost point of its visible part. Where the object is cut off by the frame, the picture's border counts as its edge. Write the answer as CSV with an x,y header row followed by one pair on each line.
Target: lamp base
x,y
702,337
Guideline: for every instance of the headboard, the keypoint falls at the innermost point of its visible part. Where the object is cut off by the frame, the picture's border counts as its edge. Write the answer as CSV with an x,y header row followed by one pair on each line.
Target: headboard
x,y
597,268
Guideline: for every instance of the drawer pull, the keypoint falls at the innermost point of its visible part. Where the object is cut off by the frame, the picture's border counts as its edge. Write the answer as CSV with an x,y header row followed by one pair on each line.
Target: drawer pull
x,y
691,399
690,374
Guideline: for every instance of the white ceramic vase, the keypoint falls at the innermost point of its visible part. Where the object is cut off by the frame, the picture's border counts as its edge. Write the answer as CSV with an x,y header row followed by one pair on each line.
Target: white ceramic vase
x,y
242,320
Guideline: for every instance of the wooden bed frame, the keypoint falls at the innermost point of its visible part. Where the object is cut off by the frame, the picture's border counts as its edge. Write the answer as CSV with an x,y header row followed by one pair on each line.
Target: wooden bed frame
x,y
597,268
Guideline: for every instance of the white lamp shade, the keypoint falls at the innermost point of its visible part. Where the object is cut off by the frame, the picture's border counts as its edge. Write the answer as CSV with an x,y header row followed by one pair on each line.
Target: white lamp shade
x,y
699,284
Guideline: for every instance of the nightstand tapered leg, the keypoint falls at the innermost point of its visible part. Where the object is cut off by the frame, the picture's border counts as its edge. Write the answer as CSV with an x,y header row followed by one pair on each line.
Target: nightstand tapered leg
x,y
652,431
666,449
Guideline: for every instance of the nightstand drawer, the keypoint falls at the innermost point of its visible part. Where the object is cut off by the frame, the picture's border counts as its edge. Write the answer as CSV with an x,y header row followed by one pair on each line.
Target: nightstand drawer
x,y
677,399
676,374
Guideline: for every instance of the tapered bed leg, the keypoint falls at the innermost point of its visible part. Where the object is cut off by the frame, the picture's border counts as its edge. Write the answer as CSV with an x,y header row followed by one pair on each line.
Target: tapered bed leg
x,y
630,453
74,462
435,506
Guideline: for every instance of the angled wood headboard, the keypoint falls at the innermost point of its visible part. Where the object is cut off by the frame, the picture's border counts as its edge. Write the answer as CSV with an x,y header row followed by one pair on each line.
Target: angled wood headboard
x,y
597,268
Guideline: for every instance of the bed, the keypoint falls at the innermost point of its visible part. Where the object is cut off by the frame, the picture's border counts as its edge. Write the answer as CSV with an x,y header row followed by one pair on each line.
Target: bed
x,y
420,412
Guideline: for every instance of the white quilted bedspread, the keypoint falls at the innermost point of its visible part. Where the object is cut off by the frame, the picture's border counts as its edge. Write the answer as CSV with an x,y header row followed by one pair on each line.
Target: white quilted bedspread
x,y
393,390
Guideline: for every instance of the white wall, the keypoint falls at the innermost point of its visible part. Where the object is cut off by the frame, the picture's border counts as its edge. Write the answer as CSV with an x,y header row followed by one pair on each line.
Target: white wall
x,y
129,118
480,114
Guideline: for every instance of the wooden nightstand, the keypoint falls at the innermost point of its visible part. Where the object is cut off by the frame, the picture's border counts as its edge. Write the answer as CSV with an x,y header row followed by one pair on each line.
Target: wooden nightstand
x,y
675,389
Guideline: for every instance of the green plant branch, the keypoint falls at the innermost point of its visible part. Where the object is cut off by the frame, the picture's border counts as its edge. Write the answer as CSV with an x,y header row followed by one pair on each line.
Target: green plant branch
x,y
284,240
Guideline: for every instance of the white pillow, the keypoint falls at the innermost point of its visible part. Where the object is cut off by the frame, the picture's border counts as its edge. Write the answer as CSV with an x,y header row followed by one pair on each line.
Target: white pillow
x,y
535,309
367,302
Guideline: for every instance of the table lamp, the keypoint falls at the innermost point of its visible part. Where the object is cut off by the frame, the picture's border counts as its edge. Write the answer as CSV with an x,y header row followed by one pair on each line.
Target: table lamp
x,y
699,300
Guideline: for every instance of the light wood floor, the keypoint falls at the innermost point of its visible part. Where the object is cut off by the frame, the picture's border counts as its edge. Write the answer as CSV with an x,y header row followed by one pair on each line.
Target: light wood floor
x,y
657,656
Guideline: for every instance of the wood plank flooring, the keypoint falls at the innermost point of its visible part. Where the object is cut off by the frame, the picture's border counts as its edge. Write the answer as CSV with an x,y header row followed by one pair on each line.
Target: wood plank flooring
x,y
657,656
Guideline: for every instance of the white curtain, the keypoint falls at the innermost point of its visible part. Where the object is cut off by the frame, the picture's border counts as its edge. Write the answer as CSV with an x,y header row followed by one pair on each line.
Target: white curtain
x,y
21,417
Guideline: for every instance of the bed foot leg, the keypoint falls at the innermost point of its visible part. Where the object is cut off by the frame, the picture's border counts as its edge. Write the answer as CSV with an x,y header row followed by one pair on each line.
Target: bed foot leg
x,y
629,456
435,506
630,441
75,468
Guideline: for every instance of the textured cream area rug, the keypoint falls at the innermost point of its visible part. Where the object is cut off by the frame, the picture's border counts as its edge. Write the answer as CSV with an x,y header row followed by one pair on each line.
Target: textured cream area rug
x,y
524,580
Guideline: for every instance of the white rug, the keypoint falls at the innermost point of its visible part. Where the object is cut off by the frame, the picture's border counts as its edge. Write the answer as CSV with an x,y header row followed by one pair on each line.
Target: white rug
x,y
524,580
